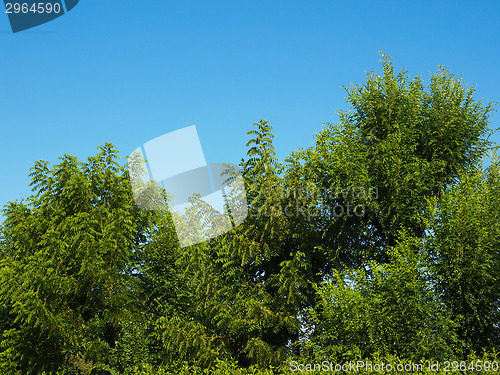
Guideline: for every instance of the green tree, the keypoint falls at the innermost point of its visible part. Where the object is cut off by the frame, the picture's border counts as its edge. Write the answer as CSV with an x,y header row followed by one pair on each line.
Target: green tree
x,y
248,287
400,146
408,142
239,306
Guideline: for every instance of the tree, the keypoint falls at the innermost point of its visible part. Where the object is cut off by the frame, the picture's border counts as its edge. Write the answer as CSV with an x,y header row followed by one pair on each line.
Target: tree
x,y
407,142
407,145
246,285
65,271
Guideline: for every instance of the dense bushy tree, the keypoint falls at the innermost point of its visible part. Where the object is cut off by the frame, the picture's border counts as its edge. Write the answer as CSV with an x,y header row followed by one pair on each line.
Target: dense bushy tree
x,y
400,147
66,280
249,284
406,141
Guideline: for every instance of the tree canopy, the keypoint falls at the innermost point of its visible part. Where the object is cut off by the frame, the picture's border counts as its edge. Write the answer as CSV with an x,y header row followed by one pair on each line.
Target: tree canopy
x,y
382,241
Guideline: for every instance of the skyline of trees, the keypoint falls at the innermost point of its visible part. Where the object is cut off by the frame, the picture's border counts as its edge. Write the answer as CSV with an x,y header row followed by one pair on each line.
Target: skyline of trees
x,y
92,284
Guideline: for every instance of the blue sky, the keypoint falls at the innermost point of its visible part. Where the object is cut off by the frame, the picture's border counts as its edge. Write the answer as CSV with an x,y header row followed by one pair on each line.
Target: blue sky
x,y
126,72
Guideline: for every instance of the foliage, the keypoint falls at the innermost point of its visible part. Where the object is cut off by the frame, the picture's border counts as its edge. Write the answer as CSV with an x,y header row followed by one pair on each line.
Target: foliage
x,y
466,253
383,309
66,281
379,243
407,142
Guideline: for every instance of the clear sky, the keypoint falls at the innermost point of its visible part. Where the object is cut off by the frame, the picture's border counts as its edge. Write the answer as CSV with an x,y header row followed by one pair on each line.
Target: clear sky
x,y
126,72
